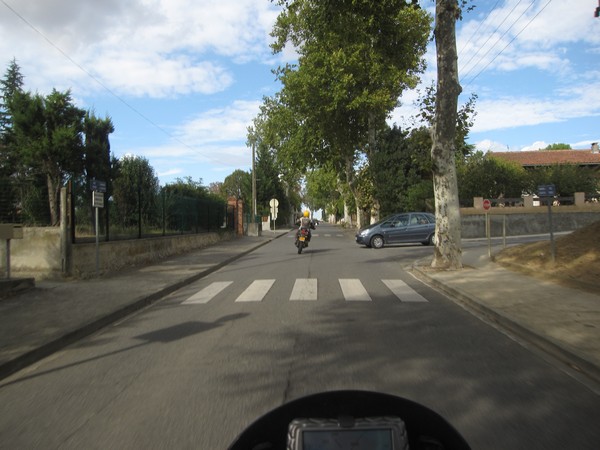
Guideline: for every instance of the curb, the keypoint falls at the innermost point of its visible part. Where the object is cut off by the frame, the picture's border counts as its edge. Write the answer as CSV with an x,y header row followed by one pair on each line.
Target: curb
x,y
566,357
13,286
20,362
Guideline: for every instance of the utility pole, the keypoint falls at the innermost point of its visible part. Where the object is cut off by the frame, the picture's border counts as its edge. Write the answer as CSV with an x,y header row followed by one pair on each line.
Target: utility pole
x,y
253,184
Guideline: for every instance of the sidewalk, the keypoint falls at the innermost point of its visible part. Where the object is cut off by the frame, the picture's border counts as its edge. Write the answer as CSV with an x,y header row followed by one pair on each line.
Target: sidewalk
x,y
561,321
54,314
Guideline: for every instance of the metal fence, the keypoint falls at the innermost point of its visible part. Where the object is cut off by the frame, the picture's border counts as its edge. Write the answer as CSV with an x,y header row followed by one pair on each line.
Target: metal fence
x,y
143,216
163,214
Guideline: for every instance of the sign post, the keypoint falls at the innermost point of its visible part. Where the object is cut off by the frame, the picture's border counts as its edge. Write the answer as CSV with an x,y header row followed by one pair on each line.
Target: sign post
x,y
98,190
487,204
547,192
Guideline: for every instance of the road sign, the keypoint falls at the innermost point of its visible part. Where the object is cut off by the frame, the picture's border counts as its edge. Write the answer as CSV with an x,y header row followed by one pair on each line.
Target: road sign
x,y
97,185
97,199
487,204
546,190
274,203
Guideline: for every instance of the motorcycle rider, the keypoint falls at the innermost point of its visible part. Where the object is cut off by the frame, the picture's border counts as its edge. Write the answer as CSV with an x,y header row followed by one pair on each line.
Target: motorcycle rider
x,y
306,223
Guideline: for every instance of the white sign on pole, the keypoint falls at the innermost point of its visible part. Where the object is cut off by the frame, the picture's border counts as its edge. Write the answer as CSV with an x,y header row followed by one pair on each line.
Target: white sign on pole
x,y
97,199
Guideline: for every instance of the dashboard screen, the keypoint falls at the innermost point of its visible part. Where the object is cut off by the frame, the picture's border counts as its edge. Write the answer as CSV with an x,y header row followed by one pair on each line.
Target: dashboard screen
x,y
371,439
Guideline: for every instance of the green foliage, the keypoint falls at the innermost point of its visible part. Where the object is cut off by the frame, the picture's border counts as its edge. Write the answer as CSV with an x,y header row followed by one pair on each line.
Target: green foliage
x,y
400,161
11,84
355,59
48,135
419,197
482,175
558,146
268,183
567,178
186,187
96,160
238,185
322,190
464,121
135,190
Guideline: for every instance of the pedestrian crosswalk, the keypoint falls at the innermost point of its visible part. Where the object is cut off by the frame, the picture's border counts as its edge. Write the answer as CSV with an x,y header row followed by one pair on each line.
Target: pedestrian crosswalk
x,y
305,289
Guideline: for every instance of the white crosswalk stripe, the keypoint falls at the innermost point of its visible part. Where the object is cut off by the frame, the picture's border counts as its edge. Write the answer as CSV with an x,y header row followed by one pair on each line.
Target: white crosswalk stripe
x,y
403,291
206,294
256,291
306,289
354,291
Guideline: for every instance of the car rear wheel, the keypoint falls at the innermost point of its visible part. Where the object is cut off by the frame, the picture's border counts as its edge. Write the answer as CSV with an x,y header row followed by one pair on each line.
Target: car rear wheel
x,y
376,241
429,240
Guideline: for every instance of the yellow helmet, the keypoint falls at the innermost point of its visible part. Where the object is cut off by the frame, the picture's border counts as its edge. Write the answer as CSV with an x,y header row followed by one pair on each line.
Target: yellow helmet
x,y
306,214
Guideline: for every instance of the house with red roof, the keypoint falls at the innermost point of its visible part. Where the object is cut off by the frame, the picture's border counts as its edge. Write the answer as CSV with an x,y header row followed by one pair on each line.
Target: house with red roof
x,y
542,158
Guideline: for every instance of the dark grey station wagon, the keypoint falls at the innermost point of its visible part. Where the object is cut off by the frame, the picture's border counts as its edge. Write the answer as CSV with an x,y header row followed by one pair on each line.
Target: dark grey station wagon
x,y
399,229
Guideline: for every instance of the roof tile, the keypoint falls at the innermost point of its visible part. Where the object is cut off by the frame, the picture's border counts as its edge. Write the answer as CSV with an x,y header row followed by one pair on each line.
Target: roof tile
x,y
550,157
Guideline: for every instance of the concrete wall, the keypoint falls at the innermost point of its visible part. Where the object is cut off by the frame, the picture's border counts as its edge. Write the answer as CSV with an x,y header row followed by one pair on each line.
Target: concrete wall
x,y
38,254
525,221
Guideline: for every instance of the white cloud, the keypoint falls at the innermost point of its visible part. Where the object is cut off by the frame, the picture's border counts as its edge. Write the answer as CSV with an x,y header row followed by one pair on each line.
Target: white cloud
x,y
220,125
538,145
570,102
154,48
523,34
487,145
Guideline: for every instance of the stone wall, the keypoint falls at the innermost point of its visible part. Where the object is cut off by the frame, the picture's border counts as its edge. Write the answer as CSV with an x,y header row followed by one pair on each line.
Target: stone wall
x,y
38,254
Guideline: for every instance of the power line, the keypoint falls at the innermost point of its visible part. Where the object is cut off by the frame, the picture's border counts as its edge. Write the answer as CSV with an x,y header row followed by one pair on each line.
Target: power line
x,y
480,25
493,33
99,82
511,41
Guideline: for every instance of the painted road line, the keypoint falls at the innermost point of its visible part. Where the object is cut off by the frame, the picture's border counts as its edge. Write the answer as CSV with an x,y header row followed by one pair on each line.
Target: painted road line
x,y
304,289
353,290
403,291
256,291
206,294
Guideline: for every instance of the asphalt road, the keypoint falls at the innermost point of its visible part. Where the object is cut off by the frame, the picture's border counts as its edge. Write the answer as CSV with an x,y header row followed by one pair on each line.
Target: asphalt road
x,y
195,369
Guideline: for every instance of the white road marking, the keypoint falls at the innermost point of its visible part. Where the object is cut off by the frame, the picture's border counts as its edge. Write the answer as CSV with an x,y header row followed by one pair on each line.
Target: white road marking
x,y
353,290
304,289
206,294
256,291
403,291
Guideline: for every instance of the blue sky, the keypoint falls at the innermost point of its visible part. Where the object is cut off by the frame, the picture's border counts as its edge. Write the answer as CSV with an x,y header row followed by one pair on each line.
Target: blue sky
x,y
183,79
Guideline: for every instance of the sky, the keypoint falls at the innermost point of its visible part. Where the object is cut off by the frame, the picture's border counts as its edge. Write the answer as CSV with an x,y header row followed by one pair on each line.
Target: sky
x,y
182,80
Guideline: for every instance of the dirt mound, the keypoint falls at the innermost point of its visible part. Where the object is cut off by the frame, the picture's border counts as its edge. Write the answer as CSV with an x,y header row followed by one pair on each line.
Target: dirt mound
x,y
577,260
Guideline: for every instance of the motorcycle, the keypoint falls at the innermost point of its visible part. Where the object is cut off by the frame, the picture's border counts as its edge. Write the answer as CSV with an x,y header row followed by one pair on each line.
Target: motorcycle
x,y
302,236
359,420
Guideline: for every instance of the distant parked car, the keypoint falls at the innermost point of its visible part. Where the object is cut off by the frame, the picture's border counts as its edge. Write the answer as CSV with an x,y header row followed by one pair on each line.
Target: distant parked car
x,y
399,229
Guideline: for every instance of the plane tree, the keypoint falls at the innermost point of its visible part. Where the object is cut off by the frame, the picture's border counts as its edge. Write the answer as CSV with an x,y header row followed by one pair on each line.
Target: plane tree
x,y
354,60
447,252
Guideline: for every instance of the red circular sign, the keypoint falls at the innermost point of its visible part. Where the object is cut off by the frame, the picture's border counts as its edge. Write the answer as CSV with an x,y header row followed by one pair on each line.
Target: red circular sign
x,y
487,204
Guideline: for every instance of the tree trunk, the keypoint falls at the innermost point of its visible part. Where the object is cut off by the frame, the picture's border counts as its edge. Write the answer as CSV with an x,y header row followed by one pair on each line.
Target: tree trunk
x,y
447,253
347,216
53,195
